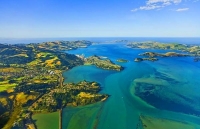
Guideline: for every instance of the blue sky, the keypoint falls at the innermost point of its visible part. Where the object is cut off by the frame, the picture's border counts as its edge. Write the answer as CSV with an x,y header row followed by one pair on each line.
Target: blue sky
x,y
99,18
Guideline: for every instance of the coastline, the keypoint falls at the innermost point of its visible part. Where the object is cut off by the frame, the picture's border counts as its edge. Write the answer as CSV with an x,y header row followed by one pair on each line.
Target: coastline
x,y
155,112
60,111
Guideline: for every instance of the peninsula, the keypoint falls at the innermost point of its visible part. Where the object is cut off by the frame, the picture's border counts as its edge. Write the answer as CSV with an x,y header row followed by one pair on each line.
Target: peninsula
x,y
102,63
73,94
32,82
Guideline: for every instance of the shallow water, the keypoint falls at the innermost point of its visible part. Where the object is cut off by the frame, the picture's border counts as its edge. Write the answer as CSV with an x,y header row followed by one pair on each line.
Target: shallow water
x,y
47,121
122,109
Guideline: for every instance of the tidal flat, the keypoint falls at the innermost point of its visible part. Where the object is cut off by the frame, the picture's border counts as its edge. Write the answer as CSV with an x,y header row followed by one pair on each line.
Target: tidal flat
x,y
47,121
165,92
152,123
127,102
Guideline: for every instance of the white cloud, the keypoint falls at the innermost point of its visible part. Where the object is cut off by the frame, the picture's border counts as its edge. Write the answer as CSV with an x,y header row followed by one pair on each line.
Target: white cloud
x,y
150,7
156,4
167,3
182,9
163,1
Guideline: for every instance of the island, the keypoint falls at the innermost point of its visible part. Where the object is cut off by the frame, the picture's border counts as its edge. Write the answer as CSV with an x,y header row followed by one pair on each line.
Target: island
x,y
31,81
151,56
102,63
184,50
168,54
143,59
122,60
120,41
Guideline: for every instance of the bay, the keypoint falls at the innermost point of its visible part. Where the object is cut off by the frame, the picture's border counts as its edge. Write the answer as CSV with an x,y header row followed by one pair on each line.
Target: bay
x,y
122,109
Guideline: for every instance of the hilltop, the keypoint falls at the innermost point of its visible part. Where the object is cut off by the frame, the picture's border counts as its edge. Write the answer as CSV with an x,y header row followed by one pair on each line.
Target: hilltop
x,y
102,63
186,50
29,71
193,49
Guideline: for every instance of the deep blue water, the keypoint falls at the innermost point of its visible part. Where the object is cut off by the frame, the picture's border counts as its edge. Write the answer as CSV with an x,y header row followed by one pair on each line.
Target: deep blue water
x,y
168,88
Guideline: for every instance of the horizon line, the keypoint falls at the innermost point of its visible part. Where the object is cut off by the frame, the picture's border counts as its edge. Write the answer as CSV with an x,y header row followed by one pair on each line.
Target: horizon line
x,y
100,37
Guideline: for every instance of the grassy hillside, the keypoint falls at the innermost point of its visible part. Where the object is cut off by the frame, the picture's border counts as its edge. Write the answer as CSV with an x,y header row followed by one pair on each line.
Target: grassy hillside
x,y
102,63
30,70
194,49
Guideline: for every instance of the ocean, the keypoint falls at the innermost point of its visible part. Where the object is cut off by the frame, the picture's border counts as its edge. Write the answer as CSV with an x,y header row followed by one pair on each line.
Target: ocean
x,y
172,85
165,89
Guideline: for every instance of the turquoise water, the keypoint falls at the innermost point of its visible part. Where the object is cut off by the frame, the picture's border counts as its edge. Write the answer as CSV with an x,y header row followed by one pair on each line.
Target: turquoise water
x,y
176,98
